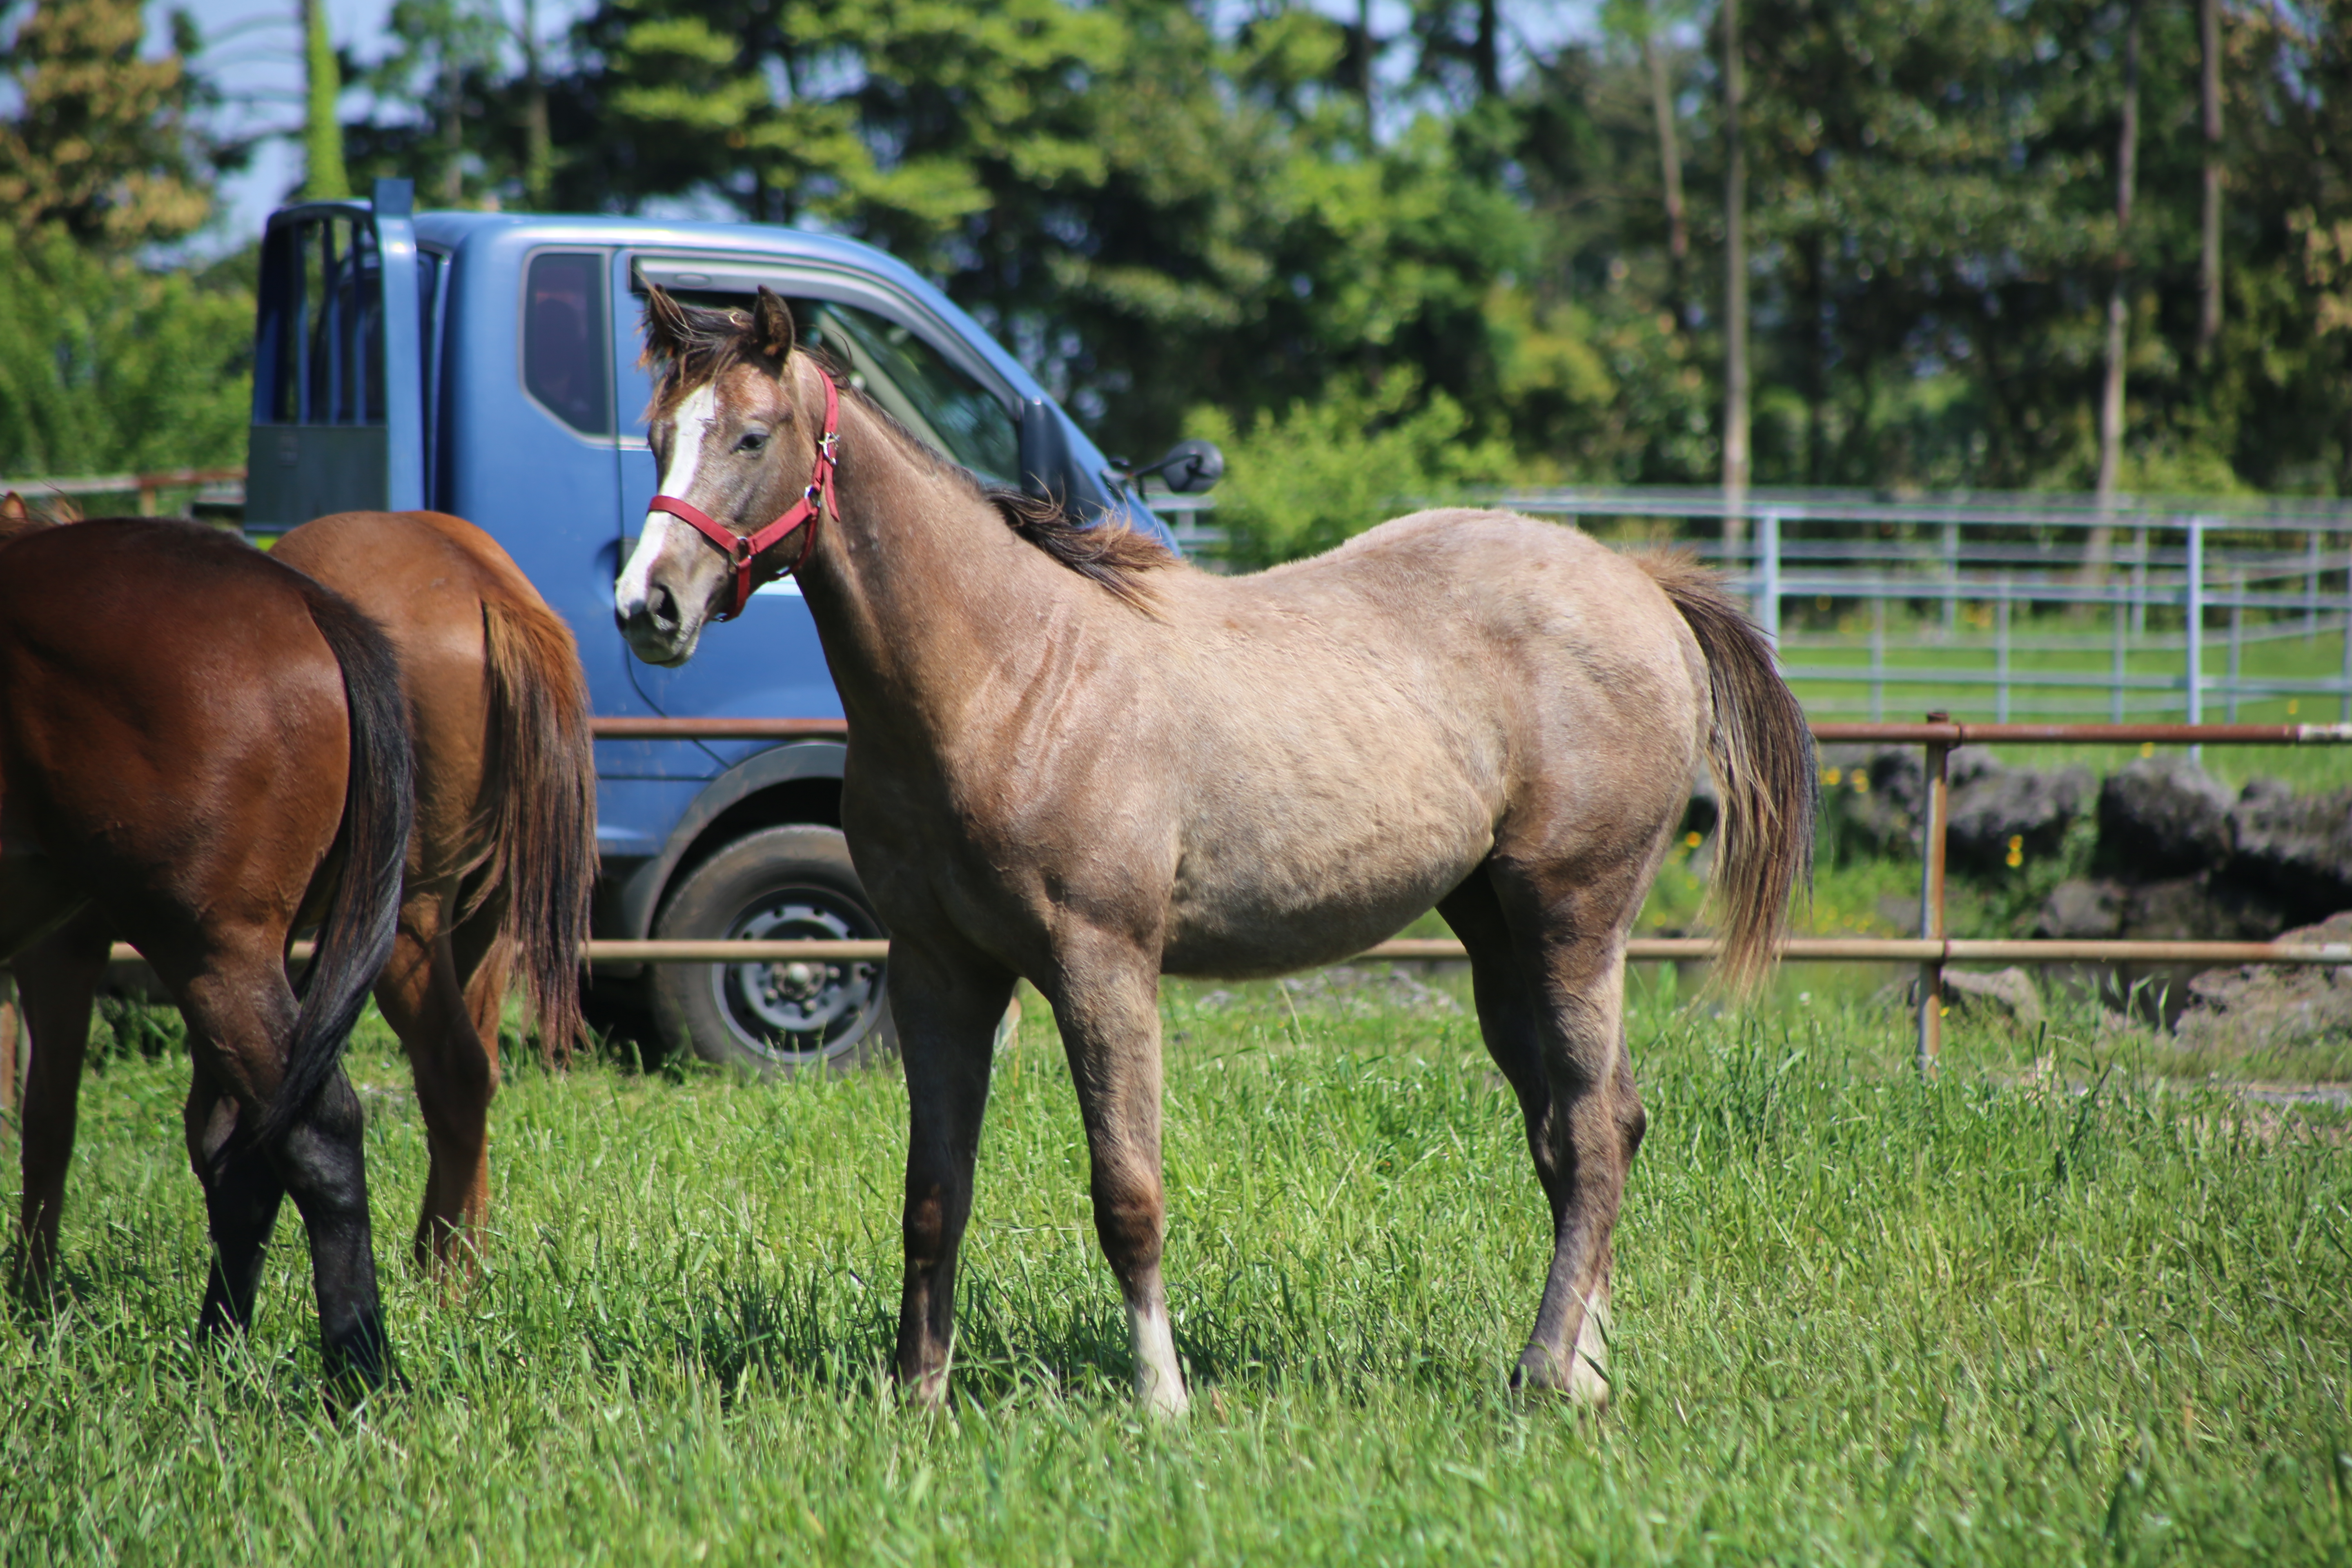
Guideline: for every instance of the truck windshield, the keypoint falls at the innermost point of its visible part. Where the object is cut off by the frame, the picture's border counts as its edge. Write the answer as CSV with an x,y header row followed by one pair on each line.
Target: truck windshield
x,y
910,379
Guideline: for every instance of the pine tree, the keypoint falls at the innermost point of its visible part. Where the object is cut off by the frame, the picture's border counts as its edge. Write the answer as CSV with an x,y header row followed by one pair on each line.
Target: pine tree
x,y
100,144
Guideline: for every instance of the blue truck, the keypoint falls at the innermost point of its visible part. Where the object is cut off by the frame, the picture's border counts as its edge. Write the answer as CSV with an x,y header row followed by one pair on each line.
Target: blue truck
x,y
484,364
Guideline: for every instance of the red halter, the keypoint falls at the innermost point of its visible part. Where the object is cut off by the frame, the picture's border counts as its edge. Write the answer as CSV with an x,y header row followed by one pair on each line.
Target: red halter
x,y
742,548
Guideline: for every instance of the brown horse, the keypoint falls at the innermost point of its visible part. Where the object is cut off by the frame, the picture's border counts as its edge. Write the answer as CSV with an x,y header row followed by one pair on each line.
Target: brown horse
x,y
1076,760
199,745
500,865
504,857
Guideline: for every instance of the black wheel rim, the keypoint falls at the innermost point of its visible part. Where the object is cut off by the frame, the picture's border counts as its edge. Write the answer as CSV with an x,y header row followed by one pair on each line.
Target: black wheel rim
x,y
800,1013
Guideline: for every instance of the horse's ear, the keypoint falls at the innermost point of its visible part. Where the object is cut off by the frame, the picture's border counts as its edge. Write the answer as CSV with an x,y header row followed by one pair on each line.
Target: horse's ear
x,y
13,509
665,324
771,325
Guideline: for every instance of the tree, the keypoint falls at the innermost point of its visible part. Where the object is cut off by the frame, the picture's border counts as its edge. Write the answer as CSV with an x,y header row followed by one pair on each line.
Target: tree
x,y
101,143
323,179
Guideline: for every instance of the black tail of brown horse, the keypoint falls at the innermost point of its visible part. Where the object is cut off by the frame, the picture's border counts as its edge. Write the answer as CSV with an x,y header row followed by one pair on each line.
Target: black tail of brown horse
x,y
539,771
363,912
1759,750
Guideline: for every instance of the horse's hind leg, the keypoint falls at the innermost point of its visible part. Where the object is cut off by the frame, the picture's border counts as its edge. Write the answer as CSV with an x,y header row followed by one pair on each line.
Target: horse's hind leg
x,y
241,1019
947,1006
1550,976
1106,1002
56,980
442,997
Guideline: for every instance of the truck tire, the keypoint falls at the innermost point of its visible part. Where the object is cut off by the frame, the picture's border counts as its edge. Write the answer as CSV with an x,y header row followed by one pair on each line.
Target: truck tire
x,y
773,1019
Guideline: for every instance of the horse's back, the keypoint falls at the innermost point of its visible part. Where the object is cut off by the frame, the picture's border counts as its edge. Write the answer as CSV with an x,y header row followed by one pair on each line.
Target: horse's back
x,y
1356,733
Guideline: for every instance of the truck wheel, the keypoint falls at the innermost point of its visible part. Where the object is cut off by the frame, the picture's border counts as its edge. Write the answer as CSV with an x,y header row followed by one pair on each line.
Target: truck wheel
x,y
781,884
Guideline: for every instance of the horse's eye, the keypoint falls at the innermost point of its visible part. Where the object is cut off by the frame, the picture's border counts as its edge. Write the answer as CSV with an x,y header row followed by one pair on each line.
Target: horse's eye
x,y
751,441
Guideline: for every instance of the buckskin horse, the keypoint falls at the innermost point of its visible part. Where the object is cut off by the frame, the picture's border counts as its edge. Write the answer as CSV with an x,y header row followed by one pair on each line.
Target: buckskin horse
x,y
202,745
498,867
1077,759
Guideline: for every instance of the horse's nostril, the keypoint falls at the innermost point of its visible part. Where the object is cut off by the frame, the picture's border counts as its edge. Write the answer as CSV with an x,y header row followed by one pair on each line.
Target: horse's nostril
x,y
662,607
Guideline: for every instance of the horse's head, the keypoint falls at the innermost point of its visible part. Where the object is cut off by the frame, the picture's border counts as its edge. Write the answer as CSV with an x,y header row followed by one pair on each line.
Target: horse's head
x,y
735,423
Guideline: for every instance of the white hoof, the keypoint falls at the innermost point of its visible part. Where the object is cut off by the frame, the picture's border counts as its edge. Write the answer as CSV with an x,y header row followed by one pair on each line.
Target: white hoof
x,y
1159,1383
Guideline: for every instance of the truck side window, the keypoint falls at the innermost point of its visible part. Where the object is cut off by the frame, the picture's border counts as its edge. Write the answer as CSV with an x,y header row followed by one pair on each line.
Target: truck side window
x,y
915,385
563,339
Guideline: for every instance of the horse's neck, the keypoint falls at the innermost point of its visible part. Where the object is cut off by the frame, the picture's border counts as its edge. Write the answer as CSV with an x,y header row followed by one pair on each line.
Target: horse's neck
x,y
931,608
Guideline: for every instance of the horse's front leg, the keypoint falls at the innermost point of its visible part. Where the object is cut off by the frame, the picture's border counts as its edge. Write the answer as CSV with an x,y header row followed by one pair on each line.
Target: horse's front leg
x,y
1107,1006
946,1000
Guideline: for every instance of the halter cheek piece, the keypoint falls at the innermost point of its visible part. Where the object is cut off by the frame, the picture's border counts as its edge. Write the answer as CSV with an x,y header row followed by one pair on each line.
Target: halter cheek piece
x,y
742,548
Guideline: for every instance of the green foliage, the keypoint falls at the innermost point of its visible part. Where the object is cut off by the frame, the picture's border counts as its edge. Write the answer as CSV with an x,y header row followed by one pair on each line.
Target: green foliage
x,y
2058,1318
1309,476
106,367
99,142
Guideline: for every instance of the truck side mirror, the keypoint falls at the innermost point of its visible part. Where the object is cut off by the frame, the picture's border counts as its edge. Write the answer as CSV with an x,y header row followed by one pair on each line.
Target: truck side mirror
x,y
1044,453
1190,469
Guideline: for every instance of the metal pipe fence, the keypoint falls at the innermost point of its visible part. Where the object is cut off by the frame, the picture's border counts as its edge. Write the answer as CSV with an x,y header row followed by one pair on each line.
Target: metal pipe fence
x,y
1932,949
1998,600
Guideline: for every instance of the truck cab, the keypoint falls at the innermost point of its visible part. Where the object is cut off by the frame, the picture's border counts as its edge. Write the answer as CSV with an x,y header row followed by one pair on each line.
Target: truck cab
x,y
485,364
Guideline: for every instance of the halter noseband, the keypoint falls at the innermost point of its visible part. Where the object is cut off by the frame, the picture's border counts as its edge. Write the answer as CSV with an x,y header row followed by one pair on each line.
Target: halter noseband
x,y
742,548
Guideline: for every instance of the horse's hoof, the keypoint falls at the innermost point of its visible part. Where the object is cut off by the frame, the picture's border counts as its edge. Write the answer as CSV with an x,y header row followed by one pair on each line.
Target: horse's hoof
x,y
1582,1383
1162,1398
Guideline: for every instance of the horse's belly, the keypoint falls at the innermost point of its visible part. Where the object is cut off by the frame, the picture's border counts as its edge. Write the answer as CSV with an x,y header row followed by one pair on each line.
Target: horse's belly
x,y
1243,909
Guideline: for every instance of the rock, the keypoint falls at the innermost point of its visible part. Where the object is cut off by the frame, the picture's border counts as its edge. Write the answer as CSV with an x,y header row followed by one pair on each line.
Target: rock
x,y
1343,988
1705,809
1870,799
2163,816
1994,808
2273,1008
2083,909
2295,850
2004,992
2200,909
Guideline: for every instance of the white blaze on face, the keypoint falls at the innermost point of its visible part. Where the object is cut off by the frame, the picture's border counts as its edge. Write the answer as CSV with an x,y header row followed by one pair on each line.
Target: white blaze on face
x,y
689,431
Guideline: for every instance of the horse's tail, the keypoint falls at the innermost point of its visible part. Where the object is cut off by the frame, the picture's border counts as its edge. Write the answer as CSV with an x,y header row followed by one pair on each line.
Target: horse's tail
x,y
363,912
1761,750
539,781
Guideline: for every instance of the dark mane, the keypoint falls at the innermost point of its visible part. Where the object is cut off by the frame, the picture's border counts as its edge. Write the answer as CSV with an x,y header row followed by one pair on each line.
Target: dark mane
x,y
1109,553
709,341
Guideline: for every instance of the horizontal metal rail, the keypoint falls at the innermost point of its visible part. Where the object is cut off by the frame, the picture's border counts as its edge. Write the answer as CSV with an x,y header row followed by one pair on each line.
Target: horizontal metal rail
x,y
1641,950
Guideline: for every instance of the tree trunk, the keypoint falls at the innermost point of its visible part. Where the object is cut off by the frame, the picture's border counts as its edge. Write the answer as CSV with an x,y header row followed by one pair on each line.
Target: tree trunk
x,y
453,130
1735,283
323,179
2209,264
1489,49
539,153
1670,168
2110,396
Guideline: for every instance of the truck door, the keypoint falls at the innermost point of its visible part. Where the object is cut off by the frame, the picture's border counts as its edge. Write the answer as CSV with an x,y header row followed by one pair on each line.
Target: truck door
x,y
339,388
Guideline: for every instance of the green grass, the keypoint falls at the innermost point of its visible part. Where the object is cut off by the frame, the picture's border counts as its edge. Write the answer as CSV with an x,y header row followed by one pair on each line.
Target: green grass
x,y
1859,1320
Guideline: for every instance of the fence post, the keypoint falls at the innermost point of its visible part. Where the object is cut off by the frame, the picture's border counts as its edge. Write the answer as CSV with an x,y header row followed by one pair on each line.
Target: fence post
x,y
1767,565
1952,578
2237,637
2344,708
2311,584
2115,691
1935,811
2139,581
1878,660
2196,608
2001,651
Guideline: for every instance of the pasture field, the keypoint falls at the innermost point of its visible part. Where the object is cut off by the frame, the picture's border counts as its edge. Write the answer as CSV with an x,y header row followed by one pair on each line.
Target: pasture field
x,y
2064,1314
